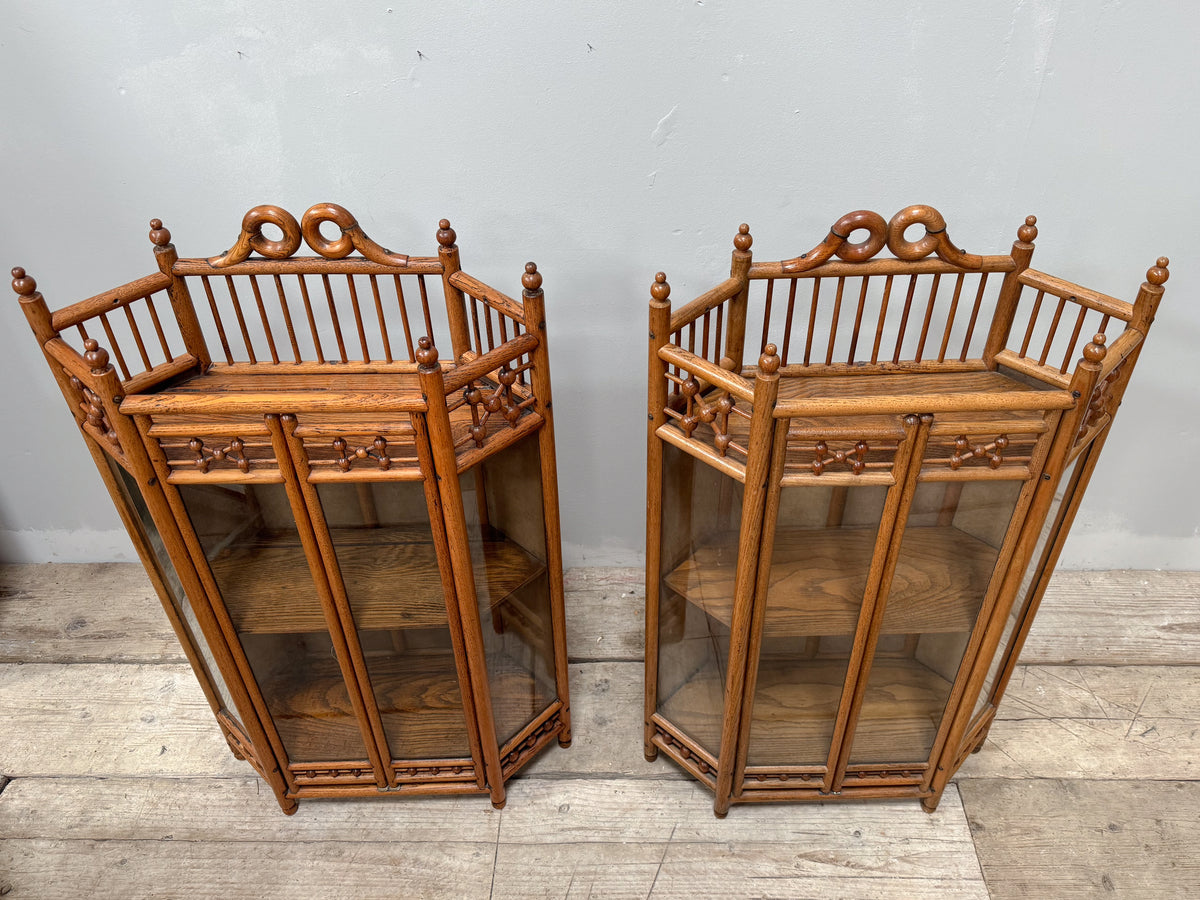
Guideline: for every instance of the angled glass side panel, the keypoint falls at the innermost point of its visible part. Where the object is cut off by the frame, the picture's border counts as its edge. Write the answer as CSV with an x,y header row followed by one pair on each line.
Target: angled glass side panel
x,y
825,538
506,530
169,577
385,550
253,549
1029,580
701,515
947,559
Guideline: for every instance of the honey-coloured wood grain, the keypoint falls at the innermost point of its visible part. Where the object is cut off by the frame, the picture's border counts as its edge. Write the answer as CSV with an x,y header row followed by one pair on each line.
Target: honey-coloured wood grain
x,y
833,643
393,570
339,661
817,578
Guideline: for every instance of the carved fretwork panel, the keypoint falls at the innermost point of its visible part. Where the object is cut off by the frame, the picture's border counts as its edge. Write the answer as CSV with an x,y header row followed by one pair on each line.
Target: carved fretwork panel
x,y
492,405
965,452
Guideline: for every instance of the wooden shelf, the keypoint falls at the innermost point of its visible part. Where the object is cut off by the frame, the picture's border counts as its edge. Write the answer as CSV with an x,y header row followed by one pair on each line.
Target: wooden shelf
x,y
796,702
818,577
391,575
419,699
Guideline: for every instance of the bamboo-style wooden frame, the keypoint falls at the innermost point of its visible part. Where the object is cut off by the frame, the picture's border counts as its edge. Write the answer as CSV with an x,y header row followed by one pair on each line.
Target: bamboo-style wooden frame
x,y
300,371
951,391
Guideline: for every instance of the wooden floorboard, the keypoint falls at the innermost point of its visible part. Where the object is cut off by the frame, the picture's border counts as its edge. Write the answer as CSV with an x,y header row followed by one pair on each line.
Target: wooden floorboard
x,y
121,785
103,612
332,870
1118,618
1077,838
1095,722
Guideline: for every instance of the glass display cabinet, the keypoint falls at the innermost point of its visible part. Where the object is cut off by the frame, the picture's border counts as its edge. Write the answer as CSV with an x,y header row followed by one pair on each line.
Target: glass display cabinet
x,y
356,542
849,531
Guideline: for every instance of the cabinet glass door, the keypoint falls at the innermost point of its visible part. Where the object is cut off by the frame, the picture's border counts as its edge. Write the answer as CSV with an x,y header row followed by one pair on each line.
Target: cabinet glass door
x,y
250,540
948,551
388,561
825,537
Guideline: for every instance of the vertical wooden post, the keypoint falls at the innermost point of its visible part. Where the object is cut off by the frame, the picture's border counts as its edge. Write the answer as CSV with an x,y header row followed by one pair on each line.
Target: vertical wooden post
x,y
660,326
762,582
181,298
739,268
437,525
456,304
33,304
433,389
535,323
1149,296
1010,291
758,464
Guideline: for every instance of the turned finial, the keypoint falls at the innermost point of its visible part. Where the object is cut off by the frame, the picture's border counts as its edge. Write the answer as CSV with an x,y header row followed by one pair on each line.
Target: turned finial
x,y
96,356
532,279
1095,350
24,284
743,239
768,363
1156,274
446,236
1028,232
660,290
159,236
427,355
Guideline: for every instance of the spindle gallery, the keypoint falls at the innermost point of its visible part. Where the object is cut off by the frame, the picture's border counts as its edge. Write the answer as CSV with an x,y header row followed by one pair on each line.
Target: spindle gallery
x,y
852,520
355,539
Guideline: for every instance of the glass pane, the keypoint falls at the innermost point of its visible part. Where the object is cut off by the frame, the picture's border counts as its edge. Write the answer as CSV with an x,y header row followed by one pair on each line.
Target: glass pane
x,y
502,499
701,513
1022,598
824,541
170,578
947,554
384,545
250,539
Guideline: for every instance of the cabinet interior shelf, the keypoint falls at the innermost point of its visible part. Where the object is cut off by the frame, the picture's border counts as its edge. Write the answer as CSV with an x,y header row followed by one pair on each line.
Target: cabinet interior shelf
x,y
818,577
419,698
391,575
796,703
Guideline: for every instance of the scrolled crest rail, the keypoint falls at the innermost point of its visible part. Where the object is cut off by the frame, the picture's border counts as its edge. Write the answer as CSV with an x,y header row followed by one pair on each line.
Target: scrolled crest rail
x,y
352,237
882,234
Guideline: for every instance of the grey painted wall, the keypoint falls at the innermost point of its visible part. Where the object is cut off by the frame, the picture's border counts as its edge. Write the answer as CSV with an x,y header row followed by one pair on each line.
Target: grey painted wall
x,y
606,141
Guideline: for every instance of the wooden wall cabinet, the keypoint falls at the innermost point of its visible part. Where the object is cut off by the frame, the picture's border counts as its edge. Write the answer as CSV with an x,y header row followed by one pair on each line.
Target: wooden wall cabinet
x,y
356,542
851,524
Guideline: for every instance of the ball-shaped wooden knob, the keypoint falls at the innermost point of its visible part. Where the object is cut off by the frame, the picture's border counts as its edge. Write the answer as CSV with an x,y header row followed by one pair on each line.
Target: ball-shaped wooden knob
x,y
1028,232
1156,274
446,236
159,236
532,279
23,284
743,240
660,290
768,363
96,356
1095,351
427,355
